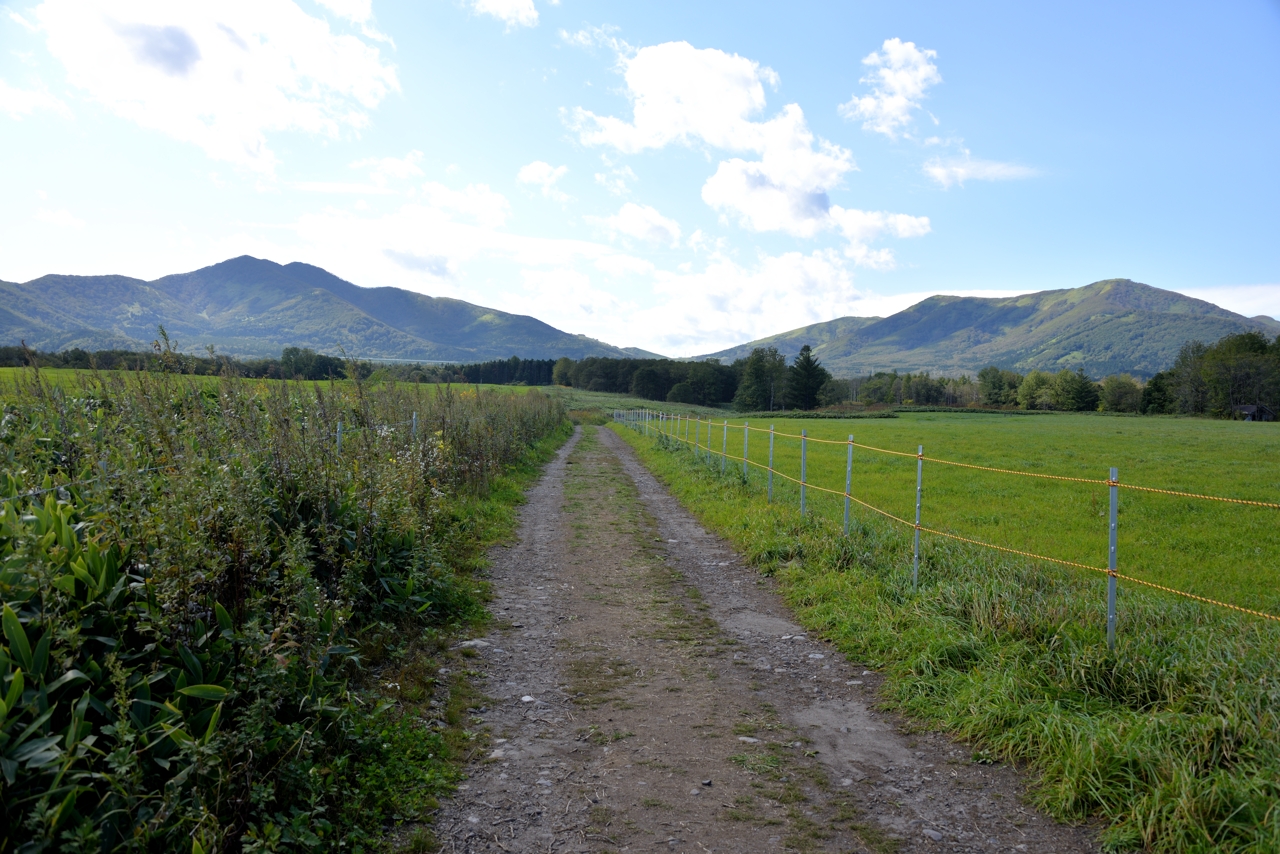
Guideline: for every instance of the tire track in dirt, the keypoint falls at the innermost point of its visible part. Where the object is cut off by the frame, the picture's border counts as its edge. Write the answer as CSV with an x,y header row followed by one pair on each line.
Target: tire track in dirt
x,y
647,691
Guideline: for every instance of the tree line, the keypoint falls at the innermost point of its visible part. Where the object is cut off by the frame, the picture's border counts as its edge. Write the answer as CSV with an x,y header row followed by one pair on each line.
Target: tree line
x,y
1205,379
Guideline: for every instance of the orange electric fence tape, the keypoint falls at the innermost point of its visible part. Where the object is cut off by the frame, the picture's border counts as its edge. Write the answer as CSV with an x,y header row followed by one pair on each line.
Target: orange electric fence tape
x,y
1099,482
1262,614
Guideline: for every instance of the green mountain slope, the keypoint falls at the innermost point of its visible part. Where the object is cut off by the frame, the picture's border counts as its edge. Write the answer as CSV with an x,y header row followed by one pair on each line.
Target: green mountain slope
x,y
1111,326
250,307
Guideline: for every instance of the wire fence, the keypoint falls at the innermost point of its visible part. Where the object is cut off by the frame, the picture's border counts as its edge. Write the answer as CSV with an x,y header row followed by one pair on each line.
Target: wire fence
x,y
677,427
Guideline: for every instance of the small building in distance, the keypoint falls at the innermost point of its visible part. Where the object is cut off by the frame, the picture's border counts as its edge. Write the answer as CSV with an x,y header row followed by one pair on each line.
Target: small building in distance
x,y
1253,413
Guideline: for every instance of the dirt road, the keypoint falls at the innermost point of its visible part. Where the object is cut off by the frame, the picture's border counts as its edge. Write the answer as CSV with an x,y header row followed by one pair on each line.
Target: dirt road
x,y
649,692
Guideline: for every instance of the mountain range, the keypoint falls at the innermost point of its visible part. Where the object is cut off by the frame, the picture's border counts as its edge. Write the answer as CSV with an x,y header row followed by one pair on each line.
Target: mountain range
x,y
1111,326
249,307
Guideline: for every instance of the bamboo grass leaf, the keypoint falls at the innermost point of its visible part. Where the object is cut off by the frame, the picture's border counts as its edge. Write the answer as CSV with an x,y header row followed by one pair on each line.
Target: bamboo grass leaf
x,y
205,692
19,646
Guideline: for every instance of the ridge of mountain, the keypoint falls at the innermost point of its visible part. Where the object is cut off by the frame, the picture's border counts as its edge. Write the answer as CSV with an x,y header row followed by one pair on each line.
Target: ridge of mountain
x,y
1110,326
250,307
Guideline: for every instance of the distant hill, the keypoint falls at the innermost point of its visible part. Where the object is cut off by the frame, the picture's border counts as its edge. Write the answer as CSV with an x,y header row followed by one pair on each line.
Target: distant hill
x,y
1112,326
250,307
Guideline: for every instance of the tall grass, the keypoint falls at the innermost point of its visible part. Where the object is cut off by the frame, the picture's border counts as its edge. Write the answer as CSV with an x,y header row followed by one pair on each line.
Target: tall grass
x,y
196,583
1172,740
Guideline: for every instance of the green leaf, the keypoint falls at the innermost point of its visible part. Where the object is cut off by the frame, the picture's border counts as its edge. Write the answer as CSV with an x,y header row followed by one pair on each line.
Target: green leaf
x,y
64,679
17,637
40,658
34,747
213,724
204,692
196,847
193,664
224,619
15,690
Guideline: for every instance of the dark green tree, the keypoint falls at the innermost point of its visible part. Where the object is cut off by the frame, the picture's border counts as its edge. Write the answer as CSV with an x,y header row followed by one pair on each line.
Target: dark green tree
x,y
1074,392
805,378
682,392
1239,370
763,381
651,383
1187,375
560,373
1157,397
998,387
1121,393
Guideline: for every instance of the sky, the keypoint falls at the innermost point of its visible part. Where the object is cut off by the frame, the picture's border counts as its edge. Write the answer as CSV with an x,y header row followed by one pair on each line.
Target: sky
x,y
680,177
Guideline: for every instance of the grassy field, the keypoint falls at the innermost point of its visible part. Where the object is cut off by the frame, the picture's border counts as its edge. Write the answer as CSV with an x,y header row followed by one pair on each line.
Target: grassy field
x,y
1224,551
1171,741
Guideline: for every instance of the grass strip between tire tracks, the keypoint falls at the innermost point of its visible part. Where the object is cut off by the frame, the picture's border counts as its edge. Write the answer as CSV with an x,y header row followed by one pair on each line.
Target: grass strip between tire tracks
x,y
1173,740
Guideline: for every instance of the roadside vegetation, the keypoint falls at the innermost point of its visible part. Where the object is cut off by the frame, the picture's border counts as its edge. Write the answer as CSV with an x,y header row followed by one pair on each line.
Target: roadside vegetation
x,y
221,631
1172,740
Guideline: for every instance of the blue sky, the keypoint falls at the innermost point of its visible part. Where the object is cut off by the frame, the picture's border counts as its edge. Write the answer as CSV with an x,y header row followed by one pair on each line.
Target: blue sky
x,y
675,176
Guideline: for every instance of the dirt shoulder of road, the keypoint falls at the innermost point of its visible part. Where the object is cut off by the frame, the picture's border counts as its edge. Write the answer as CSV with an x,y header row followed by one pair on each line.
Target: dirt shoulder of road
x,y
648,691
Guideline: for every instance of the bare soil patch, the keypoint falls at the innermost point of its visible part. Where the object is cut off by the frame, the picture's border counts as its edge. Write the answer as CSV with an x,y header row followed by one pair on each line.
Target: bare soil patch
x,y
647,691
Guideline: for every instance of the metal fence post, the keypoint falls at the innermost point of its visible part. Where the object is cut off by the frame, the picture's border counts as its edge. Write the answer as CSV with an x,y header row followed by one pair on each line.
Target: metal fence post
x,y
339,437
770,463
414,429
804,439
915,566
1114,483
746,427
848,484
724,447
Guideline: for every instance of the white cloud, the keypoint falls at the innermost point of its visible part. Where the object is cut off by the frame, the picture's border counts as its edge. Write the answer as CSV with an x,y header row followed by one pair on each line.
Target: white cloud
x,y
1249,300
957,170
643,223
901,74
382,169
20,103
358,11
437,266
591,37
680,94
221,76
728,303
786,190
343,188
544,175
617,181
477,203
568,300
21,21
513,13
623,265
862,227
60,218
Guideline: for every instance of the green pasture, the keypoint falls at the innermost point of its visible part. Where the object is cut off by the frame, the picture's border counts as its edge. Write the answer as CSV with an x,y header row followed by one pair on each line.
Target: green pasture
x,y
1224,551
